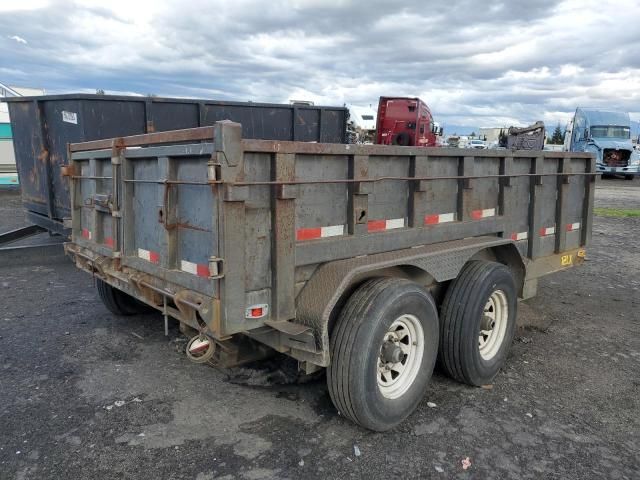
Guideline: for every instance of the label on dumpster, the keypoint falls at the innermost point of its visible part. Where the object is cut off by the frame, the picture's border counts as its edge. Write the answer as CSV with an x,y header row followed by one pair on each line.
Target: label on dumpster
x,y
70,117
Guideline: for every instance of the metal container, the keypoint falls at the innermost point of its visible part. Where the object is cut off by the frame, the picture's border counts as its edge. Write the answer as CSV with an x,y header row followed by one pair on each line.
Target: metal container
x,y
44,125
312,250
218,229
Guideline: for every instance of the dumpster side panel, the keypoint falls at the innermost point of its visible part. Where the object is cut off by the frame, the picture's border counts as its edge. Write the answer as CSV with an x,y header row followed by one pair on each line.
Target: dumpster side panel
x,y
307,128
29,154
333,126
260,122
42,127
70,121
173,115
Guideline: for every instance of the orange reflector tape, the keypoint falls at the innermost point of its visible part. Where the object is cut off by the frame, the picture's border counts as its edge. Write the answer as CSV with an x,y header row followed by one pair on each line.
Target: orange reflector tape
x,y
319,232
382,225
487,212
149,256
439,218
198,269
573,226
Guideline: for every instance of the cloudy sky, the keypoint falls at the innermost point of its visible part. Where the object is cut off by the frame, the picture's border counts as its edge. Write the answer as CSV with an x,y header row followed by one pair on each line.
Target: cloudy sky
x,y
475,63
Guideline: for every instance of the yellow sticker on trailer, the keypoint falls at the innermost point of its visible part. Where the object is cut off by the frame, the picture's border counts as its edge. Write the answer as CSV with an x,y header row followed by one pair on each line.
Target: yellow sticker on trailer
x,y
566,260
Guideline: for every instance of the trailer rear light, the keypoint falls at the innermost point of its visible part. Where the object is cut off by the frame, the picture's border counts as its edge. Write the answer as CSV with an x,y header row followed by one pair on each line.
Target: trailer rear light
x,y
257,311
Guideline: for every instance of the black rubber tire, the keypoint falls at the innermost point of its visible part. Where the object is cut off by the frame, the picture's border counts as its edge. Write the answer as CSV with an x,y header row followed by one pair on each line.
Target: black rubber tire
x,y
460,317
355,348
118,302
629,177
403,139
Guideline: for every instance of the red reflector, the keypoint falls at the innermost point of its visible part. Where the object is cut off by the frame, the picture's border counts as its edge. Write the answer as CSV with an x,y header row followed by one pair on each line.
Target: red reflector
x,y
431,219
256,312
308,233
376,225
154,257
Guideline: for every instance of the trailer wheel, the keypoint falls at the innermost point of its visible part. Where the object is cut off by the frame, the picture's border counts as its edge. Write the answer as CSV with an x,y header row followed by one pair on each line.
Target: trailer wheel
x,y
383,349
629,177
478,319
118,302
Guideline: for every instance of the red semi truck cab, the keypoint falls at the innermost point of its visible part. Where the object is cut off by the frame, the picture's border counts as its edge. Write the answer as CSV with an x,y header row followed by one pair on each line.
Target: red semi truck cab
x,y
405,121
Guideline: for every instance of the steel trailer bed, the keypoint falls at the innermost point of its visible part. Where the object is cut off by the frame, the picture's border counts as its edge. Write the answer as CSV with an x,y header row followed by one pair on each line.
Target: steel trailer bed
x,y
255,243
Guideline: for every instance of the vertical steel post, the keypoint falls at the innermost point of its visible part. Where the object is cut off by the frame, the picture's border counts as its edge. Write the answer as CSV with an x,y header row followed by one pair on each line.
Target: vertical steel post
x,y
231,225
535,207
358,195
284,238
589,198
506,198
562,203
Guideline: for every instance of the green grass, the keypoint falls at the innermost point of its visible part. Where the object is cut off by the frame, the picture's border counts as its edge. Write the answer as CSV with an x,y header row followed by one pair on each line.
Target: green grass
x,y
617,212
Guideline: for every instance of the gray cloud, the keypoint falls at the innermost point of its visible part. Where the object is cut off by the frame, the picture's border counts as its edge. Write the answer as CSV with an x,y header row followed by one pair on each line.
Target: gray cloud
x,y
474,63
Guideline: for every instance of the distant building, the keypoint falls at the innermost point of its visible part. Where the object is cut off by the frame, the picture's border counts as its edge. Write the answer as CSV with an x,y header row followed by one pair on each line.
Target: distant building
x,y
8,174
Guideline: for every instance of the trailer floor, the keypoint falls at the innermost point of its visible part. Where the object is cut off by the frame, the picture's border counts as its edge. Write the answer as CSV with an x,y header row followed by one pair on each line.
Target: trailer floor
x,y
84,394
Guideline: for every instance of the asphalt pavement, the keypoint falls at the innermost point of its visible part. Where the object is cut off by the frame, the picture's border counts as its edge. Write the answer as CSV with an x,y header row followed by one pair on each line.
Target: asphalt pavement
x,y
85,394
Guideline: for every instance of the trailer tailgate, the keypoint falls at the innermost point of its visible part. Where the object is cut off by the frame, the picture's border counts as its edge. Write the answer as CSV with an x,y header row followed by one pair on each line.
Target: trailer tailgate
x,y
157,213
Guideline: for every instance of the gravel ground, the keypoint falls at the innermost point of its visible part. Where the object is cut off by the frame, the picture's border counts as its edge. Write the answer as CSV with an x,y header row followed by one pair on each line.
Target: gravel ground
x,y
11,212
84,394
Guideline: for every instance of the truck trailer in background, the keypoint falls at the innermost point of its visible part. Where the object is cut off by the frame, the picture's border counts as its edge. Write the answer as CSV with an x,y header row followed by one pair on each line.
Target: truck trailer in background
x,y
362,124
607,134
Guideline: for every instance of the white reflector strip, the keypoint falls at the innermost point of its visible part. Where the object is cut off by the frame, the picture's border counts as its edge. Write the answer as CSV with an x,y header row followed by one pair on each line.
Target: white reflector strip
x,y
573,226
544,231
439,218
332,231
199,269
319,232
386,224
395,223
519,236
446,217
487,212
148,255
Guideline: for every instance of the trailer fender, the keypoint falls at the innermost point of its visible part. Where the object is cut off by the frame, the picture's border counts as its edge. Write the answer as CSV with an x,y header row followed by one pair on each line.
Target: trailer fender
x,y
319,301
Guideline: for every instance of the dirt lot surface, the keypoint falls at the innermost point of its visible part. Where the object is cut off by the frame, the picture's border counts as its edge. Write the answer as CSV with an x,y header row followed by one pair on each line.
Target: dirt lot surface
x,y
84,394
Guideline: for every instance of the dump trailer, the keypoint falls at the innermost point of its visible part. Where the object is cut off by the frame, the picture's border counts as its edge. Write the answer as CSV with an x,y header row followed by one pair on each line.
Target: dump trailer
x,y
369,261
44,125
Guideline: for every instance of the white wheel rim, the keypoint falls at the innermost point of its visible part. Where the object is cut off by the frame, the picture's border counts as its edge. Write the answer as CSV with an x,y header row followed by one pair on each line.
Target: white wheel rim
x,y
493,325
395,378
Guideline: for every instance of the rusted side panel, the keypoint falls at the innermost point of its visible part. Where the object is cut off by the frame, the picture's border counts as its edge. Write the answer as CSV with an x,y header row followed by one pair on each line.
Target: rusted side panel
x,y
273,215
